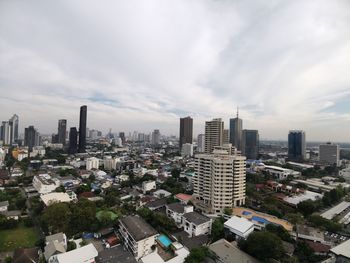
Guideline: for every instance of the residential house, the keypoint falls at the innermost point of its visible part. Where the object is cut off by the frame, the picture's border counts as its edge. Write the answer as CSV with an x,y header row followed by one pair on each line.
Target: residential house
x,y
196,224
55,244
45,184
4,206
85,254
177,210
238,227
137,235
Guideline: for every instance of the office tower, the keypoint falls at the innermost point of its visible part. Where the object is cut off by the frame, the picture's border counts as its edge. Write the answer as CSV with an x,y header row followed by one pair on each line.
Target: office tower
x,y
329,154
226,138
250,144
141,137
6,133
186,131
155,137
62,130
54,138
220,179
201,143
82,129
13,122
31,137
214,134
122,137
73,140
187,149
236,132
296,145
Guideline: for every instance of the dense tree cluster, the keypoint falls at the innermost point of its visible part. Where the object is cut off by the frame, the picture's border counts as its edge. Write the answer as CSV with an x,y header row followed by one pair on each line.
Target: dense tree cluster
x,y
159,221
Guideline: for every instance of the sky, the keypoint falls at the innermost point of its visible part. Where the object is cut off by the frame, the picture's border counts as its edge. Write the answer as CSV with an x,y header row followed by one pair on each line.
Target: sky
x,y
141,65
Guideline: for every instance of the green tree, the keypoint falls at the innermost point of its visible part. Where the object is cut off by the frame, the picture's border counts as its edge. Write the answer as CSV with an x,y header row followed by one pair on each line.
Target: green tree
x,y
279,231
263,246
307,207
217,229
197,255
71,245
57,217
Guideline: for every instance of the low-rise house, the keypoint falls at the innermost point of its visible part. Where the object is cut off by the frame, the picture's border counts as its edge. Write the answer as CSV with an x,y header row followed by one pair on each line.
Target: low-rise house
x,y
148,186
319,248
58,198
227,252
13,214
137,235
55,244
183,198
177,210
196,224
45,184
156,204
161,193
4,177
85,254
4,206
238,227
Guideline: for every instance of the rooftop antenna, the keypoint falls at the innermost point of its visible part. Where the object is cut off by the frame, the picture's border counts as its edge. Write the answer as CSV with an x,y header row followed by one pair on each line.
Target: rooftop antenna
x,y
237,111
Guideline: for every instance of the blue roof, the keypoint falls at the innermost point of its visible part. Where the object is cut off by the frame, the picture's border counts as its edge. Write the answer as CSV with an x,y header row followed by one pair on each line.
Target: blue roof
x,y
260,220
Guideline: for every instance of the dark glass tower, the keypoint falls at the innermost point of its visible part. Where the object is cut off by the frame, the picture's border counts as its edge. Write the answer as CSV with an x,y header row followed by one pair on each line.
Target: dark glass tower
x,y
186,131
236,132
82,129
73,140
30,135
250,144
296,146
62,129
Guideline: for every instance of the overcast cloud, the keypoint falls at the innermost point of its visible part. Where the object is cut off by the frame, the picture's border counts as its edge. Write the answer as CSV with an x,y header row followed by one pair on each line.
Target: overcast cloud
x,y
140,65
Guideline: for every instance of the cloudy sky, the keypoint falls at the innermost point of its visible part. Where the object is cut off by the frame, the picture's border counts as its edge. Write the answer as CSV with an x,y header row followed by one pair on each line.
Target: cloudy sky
x,y
141,65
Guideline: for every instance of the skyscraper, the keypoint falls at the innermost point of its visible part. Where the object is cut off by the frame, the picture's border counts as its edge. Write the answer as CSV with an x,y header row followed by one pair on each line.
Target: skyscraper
x,y
329,154
14,128
250,144
219,180
82,129
6,133
186,131
236,132
296,145
62,130
201,143
73,140
155,138
122,137
214,134
31,137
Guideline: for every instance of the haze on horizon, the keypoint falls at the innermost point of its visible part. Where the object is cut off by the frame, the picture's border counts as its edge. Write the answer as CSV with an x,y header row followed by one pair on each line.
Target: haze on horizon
x,y
141,65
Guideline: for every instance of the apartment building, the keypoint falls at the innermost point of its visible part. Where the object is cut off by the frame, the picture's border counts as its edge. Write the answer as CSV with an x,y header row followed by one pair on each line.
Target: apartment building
x,y
44,184
220,179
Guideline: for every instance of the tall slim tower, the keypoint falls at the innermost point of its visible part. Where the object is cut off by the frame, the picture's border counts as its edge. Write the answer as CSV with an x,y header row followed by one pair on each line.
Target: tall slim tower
x,y
31,137
82,129
296,145
236,132
214,134
250,144
73,140
14,128
62,130
186,131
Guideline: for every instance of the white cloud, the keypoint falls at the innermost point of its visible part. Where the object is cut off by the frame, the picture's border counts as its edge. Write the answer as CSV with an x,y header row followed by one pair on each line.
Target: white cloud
x,y
142,65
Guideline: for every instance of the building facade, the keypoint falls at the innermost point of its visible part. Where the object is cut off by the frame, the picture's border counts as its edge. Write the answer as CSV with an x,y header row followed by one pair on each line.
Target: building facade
x,y
186,131
62,130
329,154
296,145
214,134
155,138
220,179
82,129
236,126
250,144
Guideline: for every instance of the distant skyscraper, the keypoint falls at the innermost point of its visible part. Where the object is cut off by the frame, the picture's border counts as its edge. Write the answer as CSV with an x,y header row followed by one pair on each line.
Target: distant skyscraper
x,y
156,137
296,145
236,132
250,144
82,129
214,134
6,133
329,154
226,138
73,140
186,131
13,122
122,137
62,130
201,143
31,137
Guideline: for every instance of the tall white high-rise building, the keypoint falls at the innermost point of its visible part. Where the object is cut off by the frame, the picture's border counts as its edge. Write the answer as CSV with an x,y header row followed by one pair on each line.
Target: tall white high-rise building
x,y
14,128
214,134
92,163
201,143
220,179
329,154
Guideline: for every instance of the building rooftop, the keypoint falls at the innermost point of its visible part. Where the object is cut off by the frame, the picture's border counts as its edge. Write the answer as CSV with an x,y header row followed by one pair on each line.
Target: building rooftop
x,y
4,203
176,207
227,252
82,254
55,198
196,218
23,255
307,195
239,223
336,210
183,197
137,227
342,250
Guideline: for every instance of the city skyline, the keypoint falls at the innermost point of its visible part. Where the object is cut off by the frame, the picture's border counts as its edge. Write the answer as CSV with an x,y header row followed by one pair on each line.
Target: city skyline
x,y
283,63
